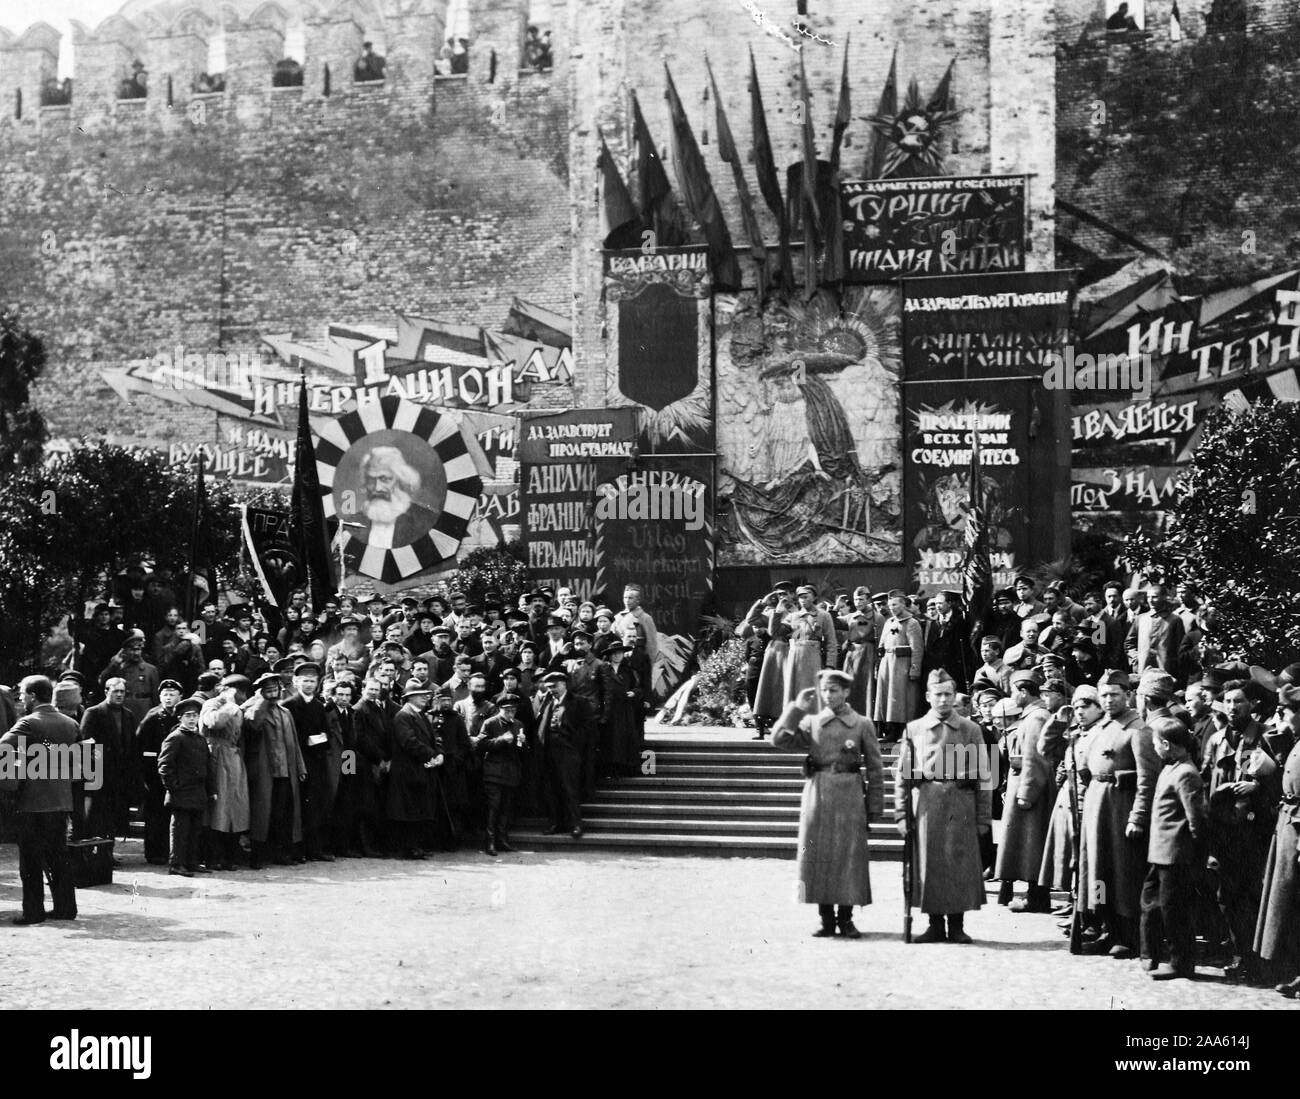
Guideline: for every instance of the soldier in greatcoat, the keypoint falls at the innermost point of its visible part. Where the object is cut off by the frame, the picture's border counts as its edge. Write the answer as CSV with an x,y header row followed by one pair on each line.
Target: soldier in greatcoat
x,y
898,676
1120,772
1033,753
943,766
834,868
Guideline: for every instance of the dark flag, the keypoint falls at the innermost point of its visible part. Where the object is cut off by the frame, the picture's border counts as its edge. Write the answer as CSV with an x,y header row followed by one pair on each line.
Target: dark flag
x,y
976,569
730,154
942,99
697,190
769,182
658,212
621,218
307,514
888,108
811,211
842,110
200,583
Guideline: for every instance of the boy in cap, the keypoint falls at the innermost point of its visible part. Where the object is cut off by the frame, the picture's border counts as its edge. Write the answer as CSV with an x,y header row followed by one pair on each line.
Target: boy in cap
x,y
185,765
1178,829
834,861
501,742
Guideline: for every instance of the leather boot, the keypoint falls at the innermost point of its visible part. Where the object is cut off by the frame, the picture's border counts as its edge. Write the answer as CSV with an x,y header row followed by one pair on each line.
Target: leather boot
x,y
1291,990
1037,899
934,933
844,921
957,928
1006,891
827,929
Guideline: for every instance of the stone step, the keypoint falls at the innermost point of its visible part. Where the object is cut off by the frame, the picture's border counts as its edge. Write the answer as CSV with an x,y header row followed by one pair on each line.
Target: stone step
x,y
659,824
699,795
882,850
685,810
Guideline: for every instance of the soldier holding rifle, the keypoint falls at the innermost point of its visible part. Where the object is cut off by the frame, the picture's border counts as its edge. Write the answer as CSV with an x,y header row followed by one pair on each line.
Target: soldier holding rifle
x,y
943,801
833,820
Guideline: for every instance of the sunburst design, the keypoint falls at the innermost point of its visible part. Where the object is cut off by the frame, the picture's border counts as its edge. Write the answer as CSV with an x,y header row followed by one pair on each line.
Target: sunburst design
x,y
914,135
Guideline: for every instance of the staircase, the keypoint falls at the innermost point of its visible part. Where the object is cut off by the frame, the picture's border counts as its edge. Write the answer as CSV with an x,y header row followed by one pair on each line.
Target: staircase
x,y
712,792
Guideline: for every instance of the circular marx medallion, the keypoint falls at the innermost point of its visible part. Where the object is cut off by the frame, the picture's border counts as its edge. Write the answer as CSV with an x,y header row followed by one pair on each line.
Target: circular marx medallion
x,y
400,476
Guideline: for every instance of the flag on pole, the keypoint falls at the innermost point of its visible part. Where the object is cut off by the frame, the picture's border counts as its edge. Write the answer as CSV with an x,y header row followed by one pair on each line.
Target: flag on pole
x,y
976,568
941,101
658,212
731,155
809,153
697,189
199,584
888,108
307,512
769,182
842,111
621,218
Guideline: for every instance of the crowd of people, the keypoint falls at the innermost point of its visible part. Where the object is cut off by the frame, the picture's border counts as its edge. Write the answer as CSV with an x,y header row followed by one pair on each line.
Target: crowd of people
x,y
1130,760
259,736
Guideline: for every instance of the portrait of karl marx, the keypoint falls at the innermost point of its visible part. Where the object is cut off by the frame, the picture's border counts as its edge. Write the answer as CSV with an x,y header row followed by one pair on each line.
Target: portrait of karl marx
x,y
390,513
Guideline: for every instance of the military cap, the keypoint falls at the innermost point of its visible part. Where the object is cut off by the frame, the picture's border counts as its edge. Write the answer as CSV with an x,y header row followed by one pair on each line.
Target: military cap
x,y
1156,683
551,677
978,691
208,680
1113,677
135,635
832,675
515,618
554,621
440,629
76,677
938,677
410,601
167,685
581,631
991,639
1008,594
896,593
1025,678
1084,645
527,645
284,664
413,689
880,597
1025,578
787,586
239,681
1057,684
1005,707
509,671
192,703
307,667
350,621
236,611
983,683
808,588
508,699
264,679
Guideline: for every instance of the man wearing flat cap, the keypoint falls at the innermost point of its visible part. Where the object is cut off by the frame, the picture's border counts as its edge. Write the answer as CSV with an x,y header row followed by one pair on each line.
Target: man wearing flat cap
x,y
1027,808
944,767
221,721
417,750
276,771
834,862
565,725
1120,768
153,730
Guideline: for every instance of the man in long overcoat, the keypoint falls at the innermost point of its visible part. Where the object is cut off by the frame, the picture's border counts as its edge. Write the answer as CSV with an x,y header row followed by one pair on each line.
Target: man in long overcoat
x,y
111,725
898,677
416,751
944,767
222,721
834,864
276,770
1120,771
373,721
322,757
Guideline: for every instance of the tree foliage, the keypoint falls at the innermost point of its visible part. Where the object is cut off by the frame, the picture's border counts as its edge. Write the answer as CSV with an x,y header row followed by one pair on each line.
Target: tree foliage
x,y
22,427
69,526
1235,531
494,568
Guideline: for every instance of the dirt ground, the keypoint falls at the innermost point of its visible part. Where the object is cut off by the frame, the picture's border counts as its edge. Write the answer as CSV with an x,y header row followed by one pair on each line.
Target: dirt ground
x,y
585,929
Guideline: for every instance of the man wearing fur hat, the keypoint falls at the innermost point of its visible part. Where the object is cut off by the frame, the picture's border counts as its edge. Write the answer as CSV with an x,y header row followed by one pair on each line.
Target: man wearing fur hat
x,y
834,872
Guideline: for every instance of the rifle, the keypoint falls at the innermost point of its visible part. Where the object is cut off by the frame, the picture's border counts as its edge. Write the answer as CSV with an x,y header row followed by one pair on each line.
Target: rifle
x,y
909,868
1076,912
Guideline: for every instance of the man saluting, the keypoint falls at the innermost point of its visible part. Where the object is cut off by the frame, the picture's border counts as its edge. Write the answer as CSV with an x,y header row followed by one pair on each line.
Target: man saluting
x,y
943,765
833,857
